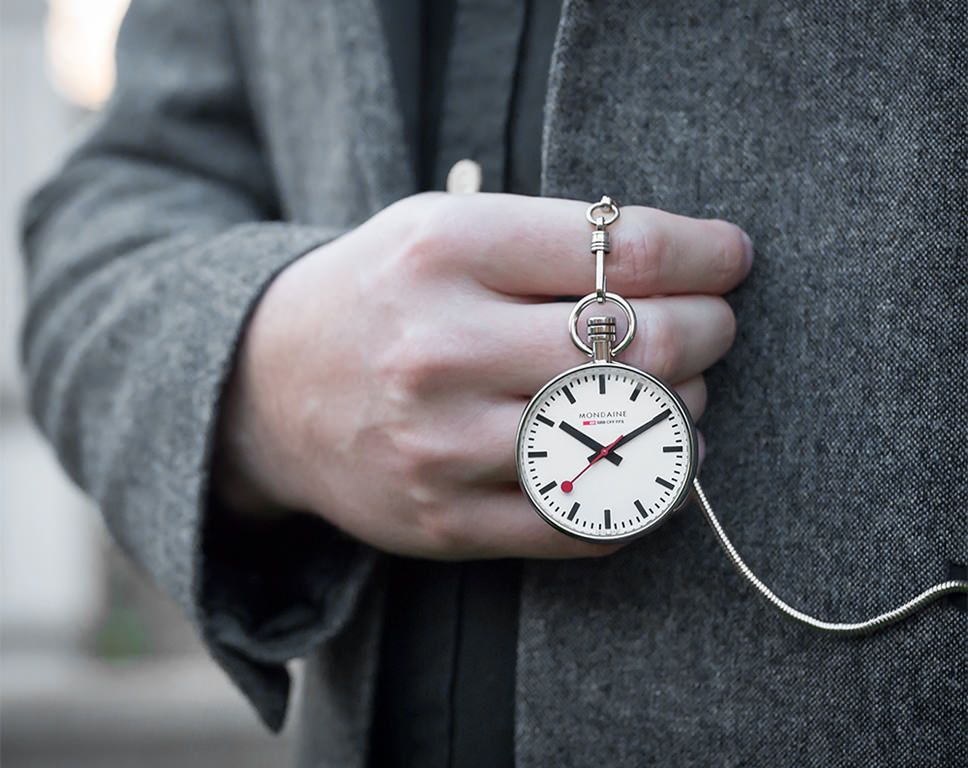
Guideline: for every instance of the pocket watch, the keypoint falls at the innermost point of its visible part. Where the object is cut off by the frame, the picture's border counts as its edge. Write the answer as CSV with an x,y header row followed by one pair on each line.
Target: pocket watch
x,y
606,452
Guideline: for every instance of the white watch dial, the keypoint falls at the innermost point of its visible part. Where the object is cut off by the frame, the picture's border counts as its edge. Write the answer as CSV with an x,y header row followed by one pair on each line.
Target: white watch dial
x,y
605,452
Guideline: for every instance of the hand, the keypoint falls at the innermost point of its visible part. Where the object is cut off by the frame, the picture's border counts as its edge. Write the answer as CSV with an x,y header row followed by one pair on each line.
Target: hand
x,y
381,377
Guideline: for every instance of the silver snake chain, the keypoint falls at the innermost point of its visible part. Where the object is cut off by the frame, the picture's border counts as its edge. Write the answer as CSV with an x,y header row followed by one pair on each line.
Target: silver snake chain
x,y
866,627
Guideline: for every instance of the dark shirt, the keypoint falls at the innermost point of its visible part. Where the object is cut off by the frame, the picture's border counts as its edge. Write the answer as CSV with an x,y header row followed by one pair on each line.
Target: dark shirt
x,y
471,78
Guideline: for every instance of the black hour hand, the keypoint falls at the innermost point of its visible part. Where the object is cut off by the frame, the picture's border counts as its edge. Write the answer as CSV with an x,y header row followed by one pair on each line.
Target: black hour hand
x,y
581,437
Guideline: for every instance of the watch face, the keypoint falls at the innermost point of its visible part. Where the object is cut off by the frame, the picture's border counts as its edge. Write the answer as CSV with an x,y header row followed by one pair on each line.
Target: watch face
x,y
605,452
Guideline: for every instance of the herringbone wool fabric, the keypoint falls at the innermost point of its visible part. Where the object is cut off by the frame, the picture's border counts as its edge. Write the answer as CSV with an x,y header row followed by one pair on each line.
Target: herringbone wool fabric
x,y
244,134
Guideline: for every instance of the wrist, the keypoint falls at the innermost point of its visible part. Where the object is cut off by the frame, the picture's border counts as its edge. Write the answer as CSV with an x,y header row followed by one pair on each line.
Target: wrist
x,y
233,482
246,462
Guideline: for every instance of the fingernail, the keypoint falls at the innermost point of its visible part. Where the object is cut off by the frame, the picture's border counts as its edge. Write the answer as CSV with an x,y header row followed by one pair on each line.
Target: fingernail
x,y
748,244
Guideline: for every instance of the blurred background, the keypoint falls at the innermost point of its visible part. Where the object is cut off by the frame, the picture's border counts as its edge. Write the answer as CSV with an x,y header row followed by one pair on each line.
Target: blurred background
x,y
96,667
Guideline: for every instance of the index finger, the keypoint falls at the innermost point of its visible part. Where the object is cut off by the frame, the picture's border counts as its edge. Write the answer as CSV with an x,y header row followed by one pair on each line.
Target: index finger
x,y
532,246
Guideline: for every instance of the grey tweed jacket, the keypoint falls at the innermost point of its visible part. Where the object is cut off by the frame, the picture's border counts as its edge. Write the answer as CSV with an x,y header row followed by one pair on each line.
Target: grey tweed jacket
x,y
246,132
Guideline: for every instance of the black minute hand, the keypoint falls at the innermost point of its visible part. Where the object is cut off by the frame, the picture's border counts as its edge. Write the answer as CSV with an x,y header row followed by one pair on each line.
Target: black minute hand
x,y
639,430
590,442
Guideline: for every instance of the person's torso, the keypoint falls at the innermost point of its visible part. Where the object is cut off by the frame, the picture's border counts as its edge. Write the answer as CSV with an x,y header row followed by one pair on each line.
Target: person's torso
x,y
834,134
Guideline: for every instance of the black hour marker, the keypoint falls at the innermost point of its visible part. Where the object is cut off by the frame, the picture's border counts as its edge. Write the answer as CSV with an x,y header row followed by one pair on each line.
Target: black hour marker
x,y
545,421
573,511
608,518
568,394
601,383
551,485
640,508
672,449
635,393
664,483
537,454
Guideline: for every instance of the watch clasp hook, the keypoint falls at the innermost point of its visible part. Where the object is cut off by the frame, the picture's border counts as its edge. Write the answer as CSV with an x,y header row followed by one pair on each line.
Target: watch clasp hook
x,y
601,215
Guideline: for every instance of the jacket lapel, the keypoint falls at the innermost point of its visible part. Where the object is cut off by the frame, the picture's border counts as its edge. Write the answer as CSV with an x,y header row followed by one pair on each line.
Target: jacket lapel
x,y
380,143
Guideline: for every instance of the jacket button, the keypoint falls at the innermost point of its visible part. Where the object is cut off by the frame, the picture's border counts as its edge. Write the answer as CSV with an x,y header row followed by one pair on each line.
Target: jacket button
x,y
464,177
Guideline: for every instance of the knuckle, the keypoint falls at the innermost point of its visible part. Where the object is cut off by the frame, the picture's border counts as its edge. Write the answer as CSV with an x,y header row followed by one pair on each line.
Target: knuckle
x,y
663,347
442,530
419,362
401,373
415,468
641,250
423,251
433,234
413,369
416,453
419,457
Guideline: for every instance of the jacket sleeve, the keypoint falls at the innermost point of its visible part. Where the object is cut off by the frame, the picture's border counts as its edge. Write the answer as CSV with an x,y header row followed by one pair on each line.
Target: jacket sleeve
x,y
145,255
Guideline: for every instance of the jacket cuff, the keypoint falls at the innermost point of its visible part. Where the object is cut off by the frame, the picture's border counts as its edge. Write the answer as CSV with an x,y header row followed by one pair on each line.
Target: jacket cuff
x,y
264,592
272,591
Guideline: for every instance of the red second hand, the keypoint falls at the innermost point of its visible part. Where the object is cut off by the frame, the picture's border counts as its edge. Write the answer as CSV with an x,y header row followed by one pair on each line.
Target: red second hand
x,y
568,485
